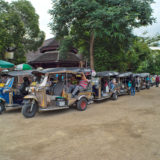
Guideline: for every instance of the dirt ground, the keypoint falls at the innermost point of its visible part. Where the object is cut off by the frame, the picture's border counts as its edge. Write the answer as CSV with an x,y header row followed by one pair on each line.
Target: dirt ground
x,y
126,129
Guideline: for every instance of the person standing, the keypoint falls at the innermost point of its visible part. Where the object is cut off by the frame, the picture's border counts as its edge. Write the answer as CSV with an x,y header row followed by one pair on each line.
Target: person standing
x,y
157,81
133,82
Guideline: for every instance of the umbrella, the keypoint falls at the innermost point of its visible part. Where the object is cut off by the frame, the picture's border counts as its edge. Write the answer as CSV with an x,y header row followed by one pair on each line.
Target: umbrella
x,y
5,64
23,67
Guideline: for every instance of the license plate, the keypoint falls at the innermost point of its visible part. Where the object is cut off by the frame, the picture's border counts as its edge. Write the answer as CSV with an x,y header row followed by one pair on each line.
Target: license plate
x,y
61,103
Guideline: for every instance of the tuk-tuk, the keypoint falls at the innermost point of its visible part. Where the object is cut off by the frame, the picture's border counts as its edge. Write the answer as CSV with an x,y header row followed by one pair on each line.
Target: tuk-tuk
x,y
123,80
3,77
55,92
103,87
145,80
138,81
12,93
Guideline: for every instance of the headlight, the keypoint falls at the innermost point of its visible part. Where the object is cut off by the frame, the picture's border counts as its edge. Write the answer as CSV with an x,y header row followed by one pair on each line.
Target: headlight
x,y
39,88
27,88
30,89
5,90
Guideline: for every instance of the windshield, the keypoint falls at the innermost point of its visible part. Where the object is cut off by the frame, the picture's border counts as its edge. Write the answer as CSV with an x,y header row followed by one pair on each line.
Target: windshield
x,y
44,82
95,81
9,83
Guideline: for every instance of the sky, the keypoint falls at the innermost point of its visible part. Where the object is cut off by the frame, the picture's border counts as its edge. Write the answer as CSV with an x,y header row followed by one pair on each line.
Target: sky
x,y
42,7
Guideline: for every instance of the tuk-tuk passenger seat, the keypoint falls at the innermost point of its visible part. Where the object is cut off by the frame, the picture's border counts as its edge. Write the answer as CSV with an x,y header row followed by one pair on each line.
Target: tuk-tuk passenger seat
x,y
58,89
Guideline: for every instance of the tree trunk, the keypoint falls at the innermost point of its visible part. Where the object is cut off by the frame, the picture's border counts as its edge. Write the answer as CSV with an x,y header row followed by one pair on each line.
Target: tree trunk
x,y
91,50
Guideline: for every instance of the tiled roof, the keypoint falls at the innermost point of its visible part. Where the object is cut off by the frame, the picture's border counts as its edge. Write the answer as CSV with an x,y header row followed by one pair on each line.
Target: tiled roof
x,y
55,57
48,45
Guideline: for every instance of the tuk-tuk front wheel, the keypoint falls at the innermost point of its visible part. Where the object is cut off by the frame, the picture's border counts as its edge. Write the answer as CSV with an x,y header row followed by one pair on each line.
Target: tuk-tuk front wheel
x,y
29,109
2,108
138,89
82,104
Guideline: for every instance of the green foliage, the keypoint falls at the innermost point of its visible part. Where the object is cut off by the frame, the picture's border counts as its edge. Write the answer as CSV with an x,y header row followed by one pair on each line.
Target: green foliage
x,y
112,22
153,41
153,63
19,29
138,55
65,46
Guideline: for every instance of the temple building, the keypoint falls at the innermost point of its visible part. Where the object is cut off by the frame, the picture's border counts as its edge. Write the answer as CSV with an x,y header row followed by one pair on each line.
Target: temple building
x,y
48,56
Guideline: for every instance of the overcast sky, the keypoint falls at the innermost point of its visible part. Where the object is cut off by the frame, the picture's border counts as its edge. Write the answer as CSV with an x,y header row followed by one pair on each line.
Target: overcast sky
x,y
42,7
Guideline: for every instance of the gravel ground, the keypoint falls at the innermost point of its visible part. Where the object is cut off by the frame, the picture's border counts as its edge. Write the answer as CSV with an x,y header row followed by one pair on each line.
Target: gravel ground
x,y
126,129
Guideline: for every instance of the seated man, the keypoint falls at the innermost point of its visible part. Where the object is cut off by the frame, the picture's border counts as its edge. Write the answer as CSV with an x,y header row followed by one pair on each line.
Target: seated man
x,y
50,86
82,86
72,84
25,84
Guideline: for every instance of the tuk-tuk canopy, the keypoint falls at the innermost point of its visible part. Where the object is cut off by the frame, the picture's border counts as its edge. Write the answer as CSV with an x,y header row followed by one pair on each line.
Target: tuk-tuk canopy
x,y
136,75
106,74
126,74
20,73
143,75
61,69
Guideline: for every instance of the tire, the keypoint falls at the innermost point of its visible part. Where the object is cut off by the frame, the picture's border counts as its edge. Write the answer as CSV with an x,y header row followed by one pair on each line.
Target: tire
x,y
2,108
114,96
82,104
148,87
26,110
138,89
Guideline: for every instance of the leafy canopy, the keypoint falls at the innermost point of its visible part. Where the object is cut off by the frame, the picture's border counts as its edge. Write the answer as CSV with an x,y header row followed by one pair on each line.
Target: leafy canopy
x,y
111,21
19,29
103,16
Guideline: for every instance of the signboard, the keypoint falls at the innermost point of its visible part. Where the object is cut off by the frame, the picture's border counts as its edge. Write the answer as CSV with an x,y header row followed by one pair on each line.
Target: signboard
x,y
9,55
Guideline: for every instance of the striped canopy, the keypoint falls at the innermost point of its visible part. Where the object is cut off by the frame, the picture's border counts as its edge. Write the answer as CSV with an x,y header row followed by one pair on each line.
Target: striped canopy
x,y
23,67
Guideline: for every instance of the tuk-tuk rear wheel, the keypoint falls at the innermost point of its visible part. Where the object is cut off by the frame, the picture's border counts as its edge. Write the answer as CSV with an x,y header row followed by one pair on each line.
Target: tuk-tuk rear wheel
x,y
148,87
2,108
82,104
29,111
114,96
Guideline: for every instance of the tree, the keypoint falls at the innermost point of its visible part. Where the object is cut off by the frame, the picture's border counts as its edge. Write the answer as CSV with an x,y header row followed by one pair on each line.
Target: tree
x,y
19,29
98,19
138,55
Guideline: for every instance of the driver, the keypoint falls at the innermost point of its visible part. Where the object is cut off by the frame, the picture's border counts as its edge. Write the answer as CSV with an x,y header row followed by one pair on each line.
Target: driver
x,y
82,85
25,84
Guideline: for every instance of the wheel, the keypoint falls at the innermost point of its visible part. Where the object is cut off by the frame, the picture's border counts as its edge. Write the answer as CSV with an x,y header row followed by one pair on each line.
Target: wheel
x,y
138,89
29,110
2,108
82,104
148,87
114,96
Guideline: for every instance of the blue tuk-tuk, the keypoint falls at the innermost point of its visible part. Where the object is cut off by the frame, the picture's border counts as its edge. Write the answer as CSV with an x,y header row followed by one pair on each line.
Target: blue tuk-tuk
x,y
11,95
